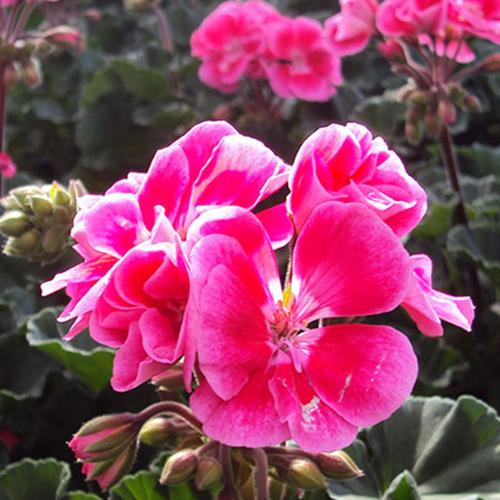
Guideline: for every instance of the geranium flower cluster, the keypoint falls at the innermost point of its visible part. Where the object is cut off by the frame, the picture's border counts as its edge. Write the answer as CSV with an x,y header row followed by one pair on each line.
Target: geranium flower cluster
x,y
442,25
253,40
176,266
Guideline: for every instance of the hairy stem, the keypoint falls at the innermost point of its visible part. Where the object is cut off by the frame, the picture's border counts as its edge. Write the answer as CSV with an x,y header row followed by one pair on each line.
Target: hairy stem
x,y
166,37
261,466
173,408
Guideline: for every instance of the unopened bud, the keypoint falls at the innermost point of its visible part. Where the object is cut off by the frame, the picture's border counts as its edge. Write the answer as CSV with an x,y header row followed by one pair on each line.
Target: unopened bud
x,y
41,205
392,51
208,473
60,196
157,431
179,467
447,111
472,103
140,5
419,99
413,133
433,123
23,245
31,72
10,76
109,472
456,94
490,64
171,381
14,223
305,474
337,465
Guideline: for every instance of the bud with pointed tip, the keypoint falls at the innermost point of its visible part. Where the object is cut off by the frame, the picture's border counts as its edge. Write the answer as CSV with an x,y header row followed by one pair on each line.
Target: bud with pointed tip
x,y
305,474
31,72
107,446
14,223
179,467
490,64
208,473
472,103
447,111
337,465
10,75
158,431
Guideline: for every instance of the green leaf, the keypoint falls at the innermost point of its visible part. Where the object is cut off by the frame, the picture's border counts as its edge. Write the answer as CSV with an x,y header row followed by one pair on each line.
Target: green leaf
x,y
451,448
93,365
80,495
480,241
479,160
382,116
34,479
403,487
23,369
436,222
141,486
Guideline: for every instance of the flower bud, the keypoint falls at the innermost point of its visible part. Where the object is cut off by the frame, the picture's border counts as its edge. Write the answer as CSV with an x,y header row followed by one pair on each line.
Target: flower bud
x,y
171,380
158,431
433,123
10,75
23,245
392,51
305,474
40,220
179,467
208,473
31,72
139,5
7,165
490,64
107,446
337,465
14,223
413,133
447,111
472,103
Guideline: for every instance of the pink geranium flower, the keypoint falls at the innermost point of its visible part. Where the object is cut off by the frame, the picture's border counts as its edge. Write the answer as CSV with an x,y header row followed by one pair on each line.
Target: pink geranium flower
x,y
301,63
141,221
347,164
270,375
229,41
480,18
427,307
408,17
350,31
7,165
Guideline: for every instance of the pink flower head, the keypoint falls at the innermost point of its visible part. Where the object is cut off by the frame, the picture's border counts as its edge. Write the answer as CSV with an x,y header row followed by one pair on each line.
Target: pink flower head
x,y
450,44
136,229
408,17
480,18
228,40
301,63
346,164
428,307
350,31
106,445
269,374
7,165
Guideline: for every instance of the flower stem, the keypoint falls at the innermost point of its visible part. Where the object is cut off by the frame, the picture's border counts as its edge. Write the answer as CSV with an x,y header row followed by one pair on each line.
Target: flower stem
x,y
173,408
261,465
451,166
166,37
229,490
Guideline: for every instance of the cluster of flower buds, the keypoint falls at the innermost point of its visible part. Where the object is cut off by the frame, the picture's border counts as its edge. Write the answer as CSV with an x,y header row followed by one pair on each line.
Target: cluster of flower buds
x,y
107,446
428,109
37,220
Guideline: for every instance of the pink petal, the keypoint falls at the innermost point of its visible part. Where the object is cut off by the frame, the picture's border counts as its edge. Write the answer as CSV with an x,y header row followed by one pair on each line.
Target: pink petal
x,y
236,174
248,419
114,224
132,366
166,181
348,263
277,224
363,372
314,426
235,338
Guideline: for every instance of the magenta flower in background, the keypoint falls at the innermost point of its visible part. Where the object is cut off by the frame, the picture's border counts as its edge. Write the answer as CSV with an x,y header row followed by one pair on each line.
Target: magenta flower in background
x,y
230,41
7,165
480,18
408,17
270,375
347,164
301,63
350,31
428,307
